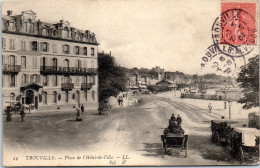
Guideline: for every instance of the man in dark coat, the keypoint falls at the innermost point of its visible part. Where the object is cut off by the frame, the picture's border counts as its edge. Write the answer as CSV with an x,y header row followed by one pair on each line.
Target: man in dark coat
x,y
179,120
22,113
82,109
172,127
173,117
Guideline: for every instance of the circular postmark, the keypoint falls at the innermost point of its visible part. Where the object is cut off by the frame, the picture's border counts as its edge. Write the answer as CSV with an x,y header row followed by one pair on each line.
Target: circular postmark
x,y
217,62
223,34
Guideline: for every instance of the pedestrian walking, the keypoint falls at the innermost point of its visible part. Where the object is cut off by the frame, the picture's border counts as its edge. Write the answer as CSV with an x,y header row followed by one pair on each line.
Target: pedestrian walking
x,y
118,100
82,108
179,120
8,114
78,117
210,107
22,113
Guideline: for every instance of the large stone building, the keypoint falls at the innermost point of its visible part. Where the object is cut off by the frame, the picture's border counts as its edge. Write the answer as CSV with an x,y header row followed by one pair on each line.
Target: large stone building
x,y
47,66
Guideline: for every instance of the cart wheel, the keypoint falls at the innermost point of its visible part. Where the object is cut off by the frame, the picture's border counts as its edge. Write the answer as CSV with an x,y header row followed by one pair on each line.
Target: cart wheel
x,y
241,155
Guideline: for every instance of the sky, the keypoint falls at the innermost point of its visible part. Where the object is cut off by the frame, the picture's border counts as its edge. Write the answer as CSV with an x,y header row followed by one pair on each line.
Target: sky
x,y
172,34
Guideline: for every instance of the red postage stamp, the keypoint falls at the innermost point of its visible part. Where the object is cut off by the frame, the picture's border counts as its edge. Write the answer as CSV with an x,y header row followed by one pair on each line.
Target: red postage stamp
x,y
238,23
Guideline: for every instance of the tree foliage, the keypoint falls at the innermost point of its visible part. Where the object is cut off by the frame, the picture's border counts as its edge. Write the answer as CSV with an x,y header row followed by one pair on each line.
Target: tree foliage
x,y
249,78
112,78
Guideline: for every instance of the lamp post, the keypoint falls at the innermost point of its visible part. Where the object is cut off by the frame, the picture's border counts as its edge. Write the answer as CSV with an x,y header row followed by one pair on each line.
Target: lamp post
x,y
225,102
229,104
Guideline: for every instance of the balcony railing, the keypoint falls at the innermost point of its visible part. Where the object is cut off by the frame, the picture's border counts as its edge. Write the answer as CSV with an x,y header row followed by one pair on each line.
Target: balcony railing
x,y
67,86
11,68
68,70
86,86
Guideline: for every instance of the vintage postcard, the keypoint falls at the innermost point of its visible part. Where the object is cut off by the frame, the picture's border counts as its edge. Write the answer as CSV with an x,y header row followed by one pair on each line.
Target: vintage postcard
x,y
130,82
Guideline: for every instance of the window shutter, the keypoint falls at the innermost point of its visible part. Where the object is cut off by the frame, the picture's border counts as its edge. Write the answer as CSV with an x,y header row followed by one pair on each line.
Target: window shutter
x,y
48,47
41,61
27,78
38,78
41,45
85,63
31,78
51,61
8,60
74,50
30,47
94,81
35,61
22,45
46,61
68,49
15,80
38,46
47,80
15,60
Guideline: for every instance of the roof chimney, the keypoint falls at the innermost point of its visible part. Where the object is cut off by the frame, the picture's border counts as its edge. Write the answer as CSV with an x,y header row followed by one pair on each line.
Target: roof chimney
x,y
9,12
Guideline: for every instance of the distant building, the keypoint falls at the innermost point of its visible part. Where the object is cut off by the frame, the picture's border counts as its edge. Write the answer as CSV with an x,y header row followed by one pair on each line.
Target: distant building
x,y
233,94
167,83
48,66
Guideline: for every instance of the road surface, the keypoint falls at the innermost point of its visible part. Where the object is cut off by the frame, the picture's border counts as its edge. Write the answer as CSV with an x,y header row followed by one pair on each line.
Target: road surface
x,y
127,136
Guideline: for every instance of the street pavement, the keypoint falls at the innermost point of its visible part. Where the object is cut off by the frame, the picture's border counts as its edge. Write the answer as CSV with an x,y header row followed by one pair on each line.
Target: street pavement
x,y
130,135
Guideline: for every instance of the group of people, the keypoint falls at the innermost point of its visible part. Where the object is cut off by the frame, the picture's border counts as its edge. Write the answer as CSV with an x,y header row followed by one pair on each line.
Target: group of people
x,y
174,125
9,115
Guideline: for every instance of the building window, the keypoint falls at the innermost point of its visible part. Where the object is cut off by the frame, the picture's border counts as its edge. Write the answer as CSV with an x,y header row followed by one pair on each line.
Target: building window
x,y
12,83
29,26
92,51
66,49
24,78
11,26
66,96
67,32
77,50
34,46
92,80
12,44
85,51
54,47
44,32
3,80
55,80
23,45
34,78
54,33
93,95
77,81
34,62
12,99
23,61
44,97
79,63
44,46
45,80
54,94
3,43
77,36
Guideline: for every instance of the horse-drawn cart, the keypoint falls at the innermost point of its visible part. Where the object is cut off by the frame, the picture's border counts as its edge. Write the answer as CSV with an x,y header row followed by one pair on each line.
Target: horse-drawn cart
x,y
221,131
171,141
245,144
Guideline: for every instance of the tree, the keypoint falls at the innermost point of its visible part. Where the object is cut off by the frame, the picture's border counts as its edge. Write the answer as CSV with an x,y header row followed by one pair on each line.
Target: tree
x,y
249,78
112,78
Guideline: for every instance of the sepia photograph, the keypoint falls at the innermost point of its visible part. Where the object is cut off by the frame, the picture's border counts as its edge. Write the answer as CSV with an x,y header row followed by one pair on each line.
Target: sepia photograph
x,y
130,82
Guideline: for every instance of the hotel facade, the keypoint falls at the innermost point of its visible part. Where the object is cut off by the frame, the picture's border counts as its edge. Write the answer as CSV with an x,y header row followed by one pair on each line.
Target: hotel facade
x,y
46,66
